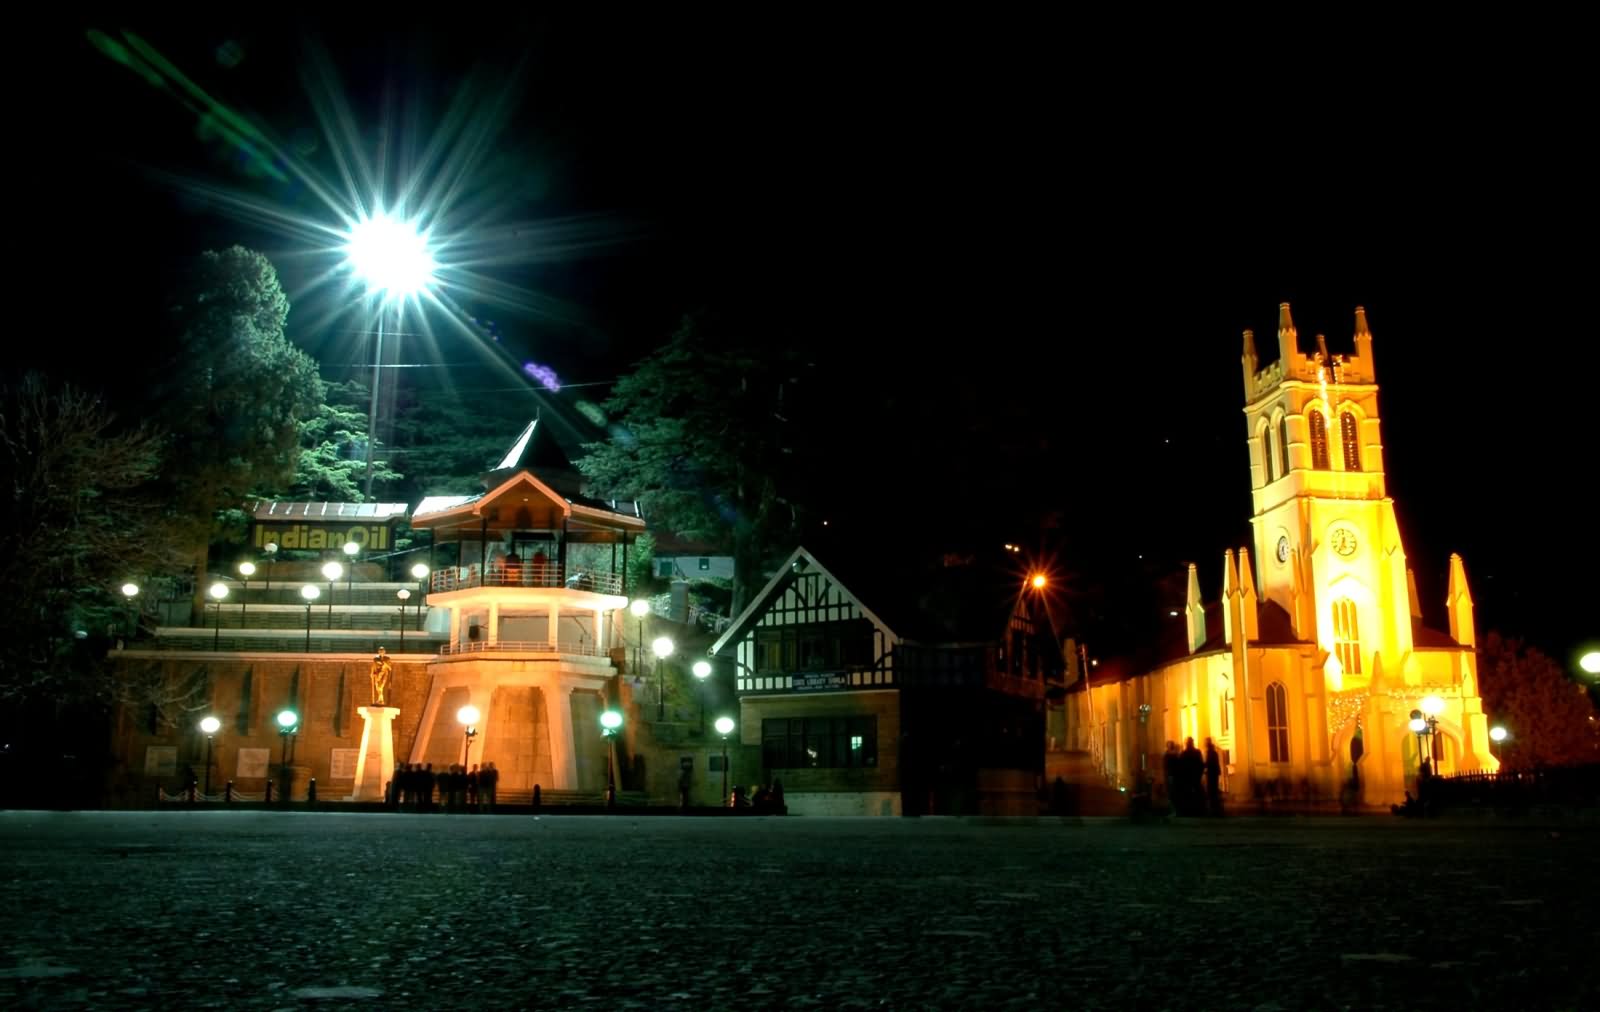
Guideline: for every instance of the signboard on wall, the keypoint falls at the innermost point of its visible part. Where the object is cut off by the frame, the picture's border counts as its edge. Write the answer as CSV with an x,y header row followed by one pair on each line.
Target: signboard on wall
x,y
819,681
161,761
342,765
252,764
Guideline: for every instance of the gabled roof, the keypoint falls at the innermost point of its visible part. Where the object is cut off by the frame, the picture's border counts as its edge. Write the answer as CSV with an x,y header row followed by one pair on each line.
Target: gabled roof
x,y
436,508
918,600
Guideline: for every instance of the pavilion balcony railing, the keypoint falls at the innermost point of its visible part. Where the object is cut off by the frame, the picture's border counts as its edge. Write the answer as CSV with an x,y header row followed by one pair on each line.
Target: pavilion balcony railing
x,y
525,646
526,574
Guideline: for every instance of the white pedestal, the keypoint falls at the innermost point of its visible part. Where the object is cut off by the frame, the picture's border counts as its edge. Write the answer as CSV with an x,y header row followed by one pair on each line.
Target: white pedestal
x,y
375,762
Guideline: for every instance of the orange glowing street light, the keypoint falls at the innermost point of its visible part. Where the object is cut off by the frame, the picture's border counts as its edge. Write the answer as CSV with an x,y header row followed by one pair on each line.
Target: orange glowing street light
x,y
1039,580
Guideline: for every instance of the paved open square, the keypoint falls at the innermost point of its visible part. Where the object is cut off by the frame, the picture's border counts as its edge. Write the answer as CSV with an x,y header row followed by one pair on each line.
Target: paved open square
x,y
268,910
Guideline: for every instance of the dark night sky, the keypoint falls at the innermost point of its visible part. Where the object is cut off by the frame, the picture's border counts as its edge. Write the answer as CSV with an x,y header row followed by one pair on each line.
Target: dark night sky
x,y
1051,233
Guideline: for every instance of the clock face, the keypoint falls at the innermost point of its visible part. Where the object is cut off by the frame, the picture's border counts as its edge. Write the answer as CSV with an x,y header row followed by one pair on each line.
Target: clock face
x,y
1344,541
1283,548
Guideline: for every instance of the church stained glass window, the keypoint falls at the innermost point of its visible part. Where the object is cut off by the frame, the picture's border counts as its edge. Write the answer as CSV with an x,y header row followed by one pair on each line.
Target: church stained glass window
x,y
1346,637
1352,441
1278,723
1319,439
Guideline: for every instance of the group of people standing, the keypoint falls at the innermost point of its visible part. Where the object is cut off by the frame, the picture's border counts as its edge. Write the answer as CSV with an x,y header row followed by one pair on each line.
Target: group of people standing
x,y
458,789
1185,770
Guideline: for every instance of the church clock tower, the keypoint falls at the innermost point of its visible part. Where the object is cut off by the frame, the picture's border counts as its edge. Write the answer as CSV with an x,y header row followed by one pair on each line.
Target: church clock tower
x,y
1327,546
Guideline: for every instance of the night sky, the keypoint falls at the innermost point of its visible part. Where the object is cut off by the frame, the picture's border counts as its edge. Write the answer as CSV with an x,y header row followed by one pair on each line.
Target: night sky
x,y
1044,236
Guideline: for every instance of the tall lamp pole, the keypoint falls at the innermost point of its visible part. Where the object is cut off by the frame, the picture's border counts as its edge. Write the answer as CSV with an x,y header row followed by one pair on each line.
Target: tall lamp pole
x,y
467,717
702,671
724,727
209,727
391,258
130,590
247,569
639,608
610,721
404,595
351,550
271,551
662,647
218,592
310,592
288,724
420,571
331,571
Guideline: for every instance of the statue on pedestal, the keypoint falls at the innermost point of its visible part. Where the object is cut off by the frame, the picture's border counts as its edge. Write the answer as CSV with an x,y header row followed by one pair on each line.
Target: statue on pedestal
x,y
382,669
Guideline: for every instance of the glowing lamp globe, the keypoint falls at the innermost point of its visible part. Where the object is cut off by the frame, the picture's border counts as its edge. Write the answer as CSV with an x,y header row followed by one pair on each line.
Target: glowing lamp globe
x,y
724,726
287,719
702,669
419,571
389,256
1417,725
639,608
332,571
1497,734
310,592
1432,705
210,725
1039,580
247,569
662,647
610,720
403,594
130,590
1590,662
219,591
467,715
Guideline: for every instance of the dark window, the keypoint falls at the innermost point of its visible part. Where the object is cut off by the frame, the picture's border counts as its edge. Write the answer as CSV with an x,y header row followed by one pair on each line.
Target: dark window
x,y
716,764
663,567
1278,722
705,564
1348,432
1283,445
1268,475
819,742
1319,439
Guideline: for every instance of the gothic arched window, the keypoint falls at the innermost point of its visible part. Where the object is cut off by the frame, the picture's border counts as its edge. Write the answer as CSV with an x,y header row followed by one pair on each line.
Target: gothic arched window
x,y
1283,444
1346,636
1267,475
1278,723
1352,441
1319,439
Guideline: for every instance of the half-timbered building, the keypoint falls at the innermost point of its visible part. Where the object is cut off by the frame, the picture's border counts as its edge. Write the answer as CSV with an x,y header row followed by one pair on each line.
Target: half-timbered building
x,y
895,689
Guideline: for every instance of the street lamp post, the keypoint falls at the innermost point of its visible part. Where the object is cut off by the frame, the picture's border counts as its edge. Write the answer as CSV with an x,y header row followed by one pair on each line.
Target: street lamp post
x,y
331,571
288,725
310,592
351,550
702,671
270,550
639,608
246,570
209,727
392,259
130,590
724,727
610,721
218,592
404,595
662,647
467,717
420,573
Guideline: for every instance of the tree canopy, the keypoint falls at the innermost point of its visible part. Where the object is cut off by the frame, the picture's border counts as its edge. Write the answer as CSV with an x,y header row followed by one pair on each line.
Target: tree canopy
x,y
699,430
1550,717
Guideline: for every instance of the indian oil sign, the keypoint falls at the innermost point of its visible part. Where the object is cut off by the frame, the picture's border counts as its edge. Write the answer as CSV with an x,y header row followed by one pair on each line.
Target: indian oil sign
x,y
325,525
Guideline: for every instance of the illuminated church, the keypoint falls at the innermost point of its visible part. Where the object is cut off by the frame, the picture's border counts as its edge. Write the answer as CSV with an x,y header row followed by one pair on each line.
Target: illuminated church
x,y
1307,672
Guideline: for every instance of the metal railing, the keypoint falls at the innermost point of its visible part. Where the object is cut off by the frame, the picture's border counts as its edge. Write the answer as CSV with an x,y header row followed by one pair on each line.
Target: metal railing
x,y
526,574
526,646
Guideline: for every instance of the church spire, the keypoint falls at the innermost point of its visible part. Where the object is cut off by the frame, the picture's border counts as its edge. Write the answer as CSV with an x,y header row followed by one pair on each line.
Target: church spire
x,y
1230,593
1249,360
1288,339
1247,598
1195,611
1458,602
1361,362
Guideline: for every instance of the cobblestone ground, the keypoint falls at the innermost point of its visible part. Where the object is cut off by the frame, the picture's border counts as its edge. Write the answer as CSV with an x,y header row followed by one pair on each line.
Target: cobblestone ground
x,y
245,910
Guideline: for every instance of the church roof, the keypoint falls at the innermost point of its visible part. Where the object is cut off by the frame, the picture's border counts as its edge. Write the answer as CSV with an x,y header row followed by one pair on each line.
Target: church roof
x,y
1430,639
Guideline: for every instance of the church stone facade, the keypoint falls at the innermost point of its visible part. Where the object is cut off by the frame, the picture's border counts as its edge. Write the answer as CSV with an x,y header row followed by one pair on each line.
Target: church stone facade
x,y
1317,639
